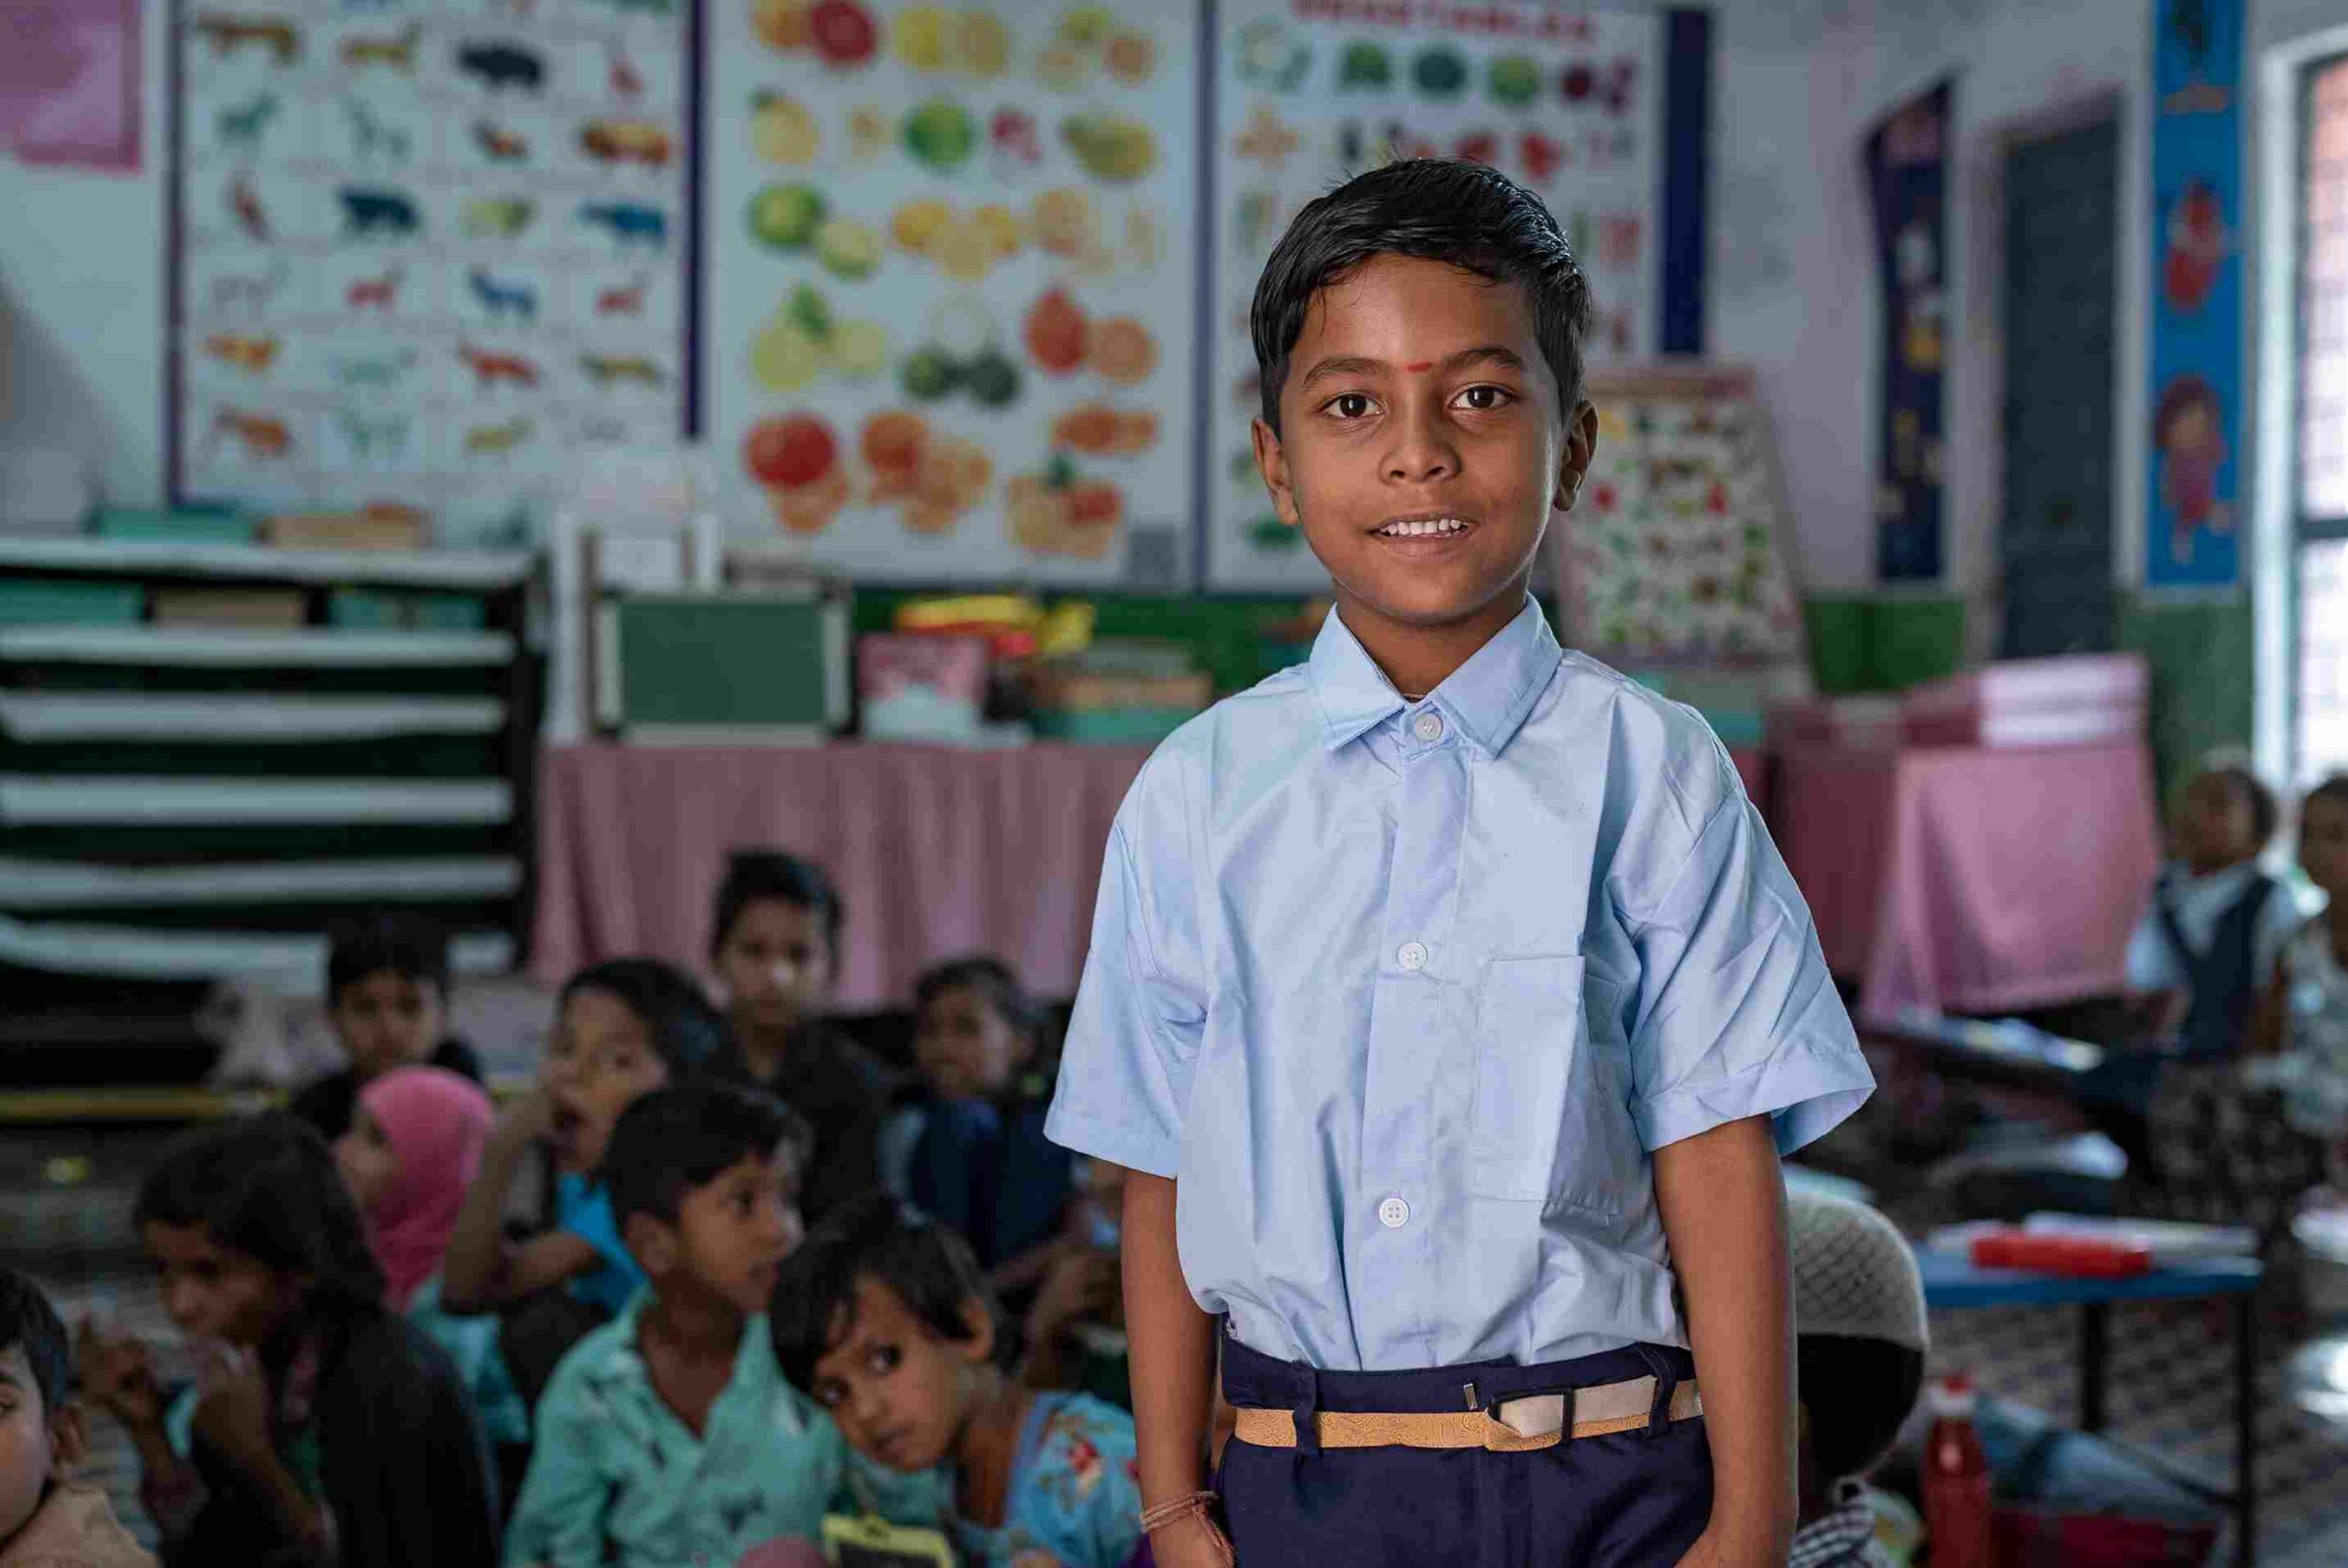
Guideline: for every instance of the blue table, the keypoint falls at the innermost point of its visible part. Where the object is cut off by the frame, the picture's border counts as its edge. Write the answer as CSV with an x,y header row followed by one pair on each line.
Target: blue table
x,y
1953,1284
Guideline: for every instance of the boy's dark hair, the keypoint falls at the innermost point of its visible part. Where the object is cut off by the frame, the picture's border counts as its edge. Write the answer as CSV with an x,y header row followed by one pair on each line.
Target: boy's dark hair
x,y
1461,214
2334,789
267,1188
687,1033
2264,813
677,1139
752,875
996,985
1858,1392
28,1321
402,944
875,1237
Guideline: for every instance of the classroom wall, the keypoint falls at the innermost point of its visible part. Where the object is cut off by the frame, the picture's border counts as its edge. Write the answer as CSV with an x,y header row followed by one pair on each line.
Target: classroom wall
x,y
1789,279
82,282
83,274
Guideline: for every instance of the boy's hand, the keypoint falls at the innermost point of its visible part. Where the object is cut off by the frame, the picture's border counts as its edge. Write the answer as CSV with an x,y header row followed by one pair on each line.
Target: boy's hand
x,y
117,1377
1194,1542
232,1412
1080,1285
528,1120
1723,1548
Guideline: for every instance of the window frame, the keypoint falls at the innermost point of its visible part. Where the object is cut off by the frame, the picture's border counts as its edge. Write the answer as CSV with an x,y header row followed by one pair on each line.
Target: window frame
x,y
2300,528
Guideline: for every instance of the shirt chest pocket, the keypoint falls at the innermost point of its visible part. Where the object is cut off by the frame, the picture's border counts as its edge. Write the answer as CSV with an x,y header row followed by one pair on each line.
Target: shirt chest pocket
x,y
1550,1122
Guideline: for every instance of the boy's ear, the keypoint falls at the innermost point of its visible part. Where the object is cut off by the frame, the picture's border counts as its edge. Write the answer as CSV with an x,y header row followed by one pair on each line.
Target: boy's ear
x,y
1272,461
652,1242
1573,462
69,1440
979,1348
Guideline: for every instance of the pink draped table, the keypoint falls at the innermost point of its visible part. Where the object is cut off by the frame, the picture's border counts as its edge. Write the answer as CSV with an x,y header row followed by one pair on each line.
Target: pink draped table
x,y
1971,880
936,851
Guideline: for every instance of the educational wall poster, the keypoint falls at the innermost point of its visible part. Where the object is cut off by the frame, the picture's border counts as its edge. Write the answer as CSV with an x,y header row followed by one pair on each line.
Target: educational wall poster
x,y
428,256
1672,550
953,307
1309,93
1907,163
2196,355
69,82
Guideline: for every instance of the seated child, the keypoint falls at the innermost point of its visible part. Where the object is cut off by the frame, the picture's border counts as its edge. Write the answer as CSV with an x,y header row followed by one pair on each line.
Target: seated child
x,y
2206,944
47,1522
324,1427
883,1317
409,1157
2304,1016
668,1436
623,1029
775,940
1859,1344
387,1000
981,1165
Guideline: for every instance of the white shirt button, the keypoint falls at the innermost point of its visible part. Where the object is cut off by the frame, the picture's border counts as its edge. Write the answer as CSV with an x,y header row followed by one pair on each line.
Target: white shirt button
x,y
1428,726
1393,1213
1411,955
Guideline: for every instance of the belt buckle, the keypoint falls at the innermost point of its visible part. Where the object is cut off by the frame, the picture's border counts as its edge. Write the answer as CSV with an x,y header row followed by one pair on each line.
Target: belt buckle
x,y
1529,1420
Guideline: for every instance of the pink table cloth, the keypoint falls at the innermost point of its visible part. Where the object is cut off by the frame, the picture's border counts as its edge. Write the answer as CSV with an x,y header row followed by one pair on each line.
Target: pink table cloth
x,y
936,852
1971,880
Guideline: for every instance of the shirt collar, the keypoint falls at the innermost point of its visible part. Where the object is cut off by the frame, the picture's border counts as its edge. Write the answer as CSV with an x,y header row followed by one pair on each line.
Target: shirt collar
x,y
1488,696
756,1378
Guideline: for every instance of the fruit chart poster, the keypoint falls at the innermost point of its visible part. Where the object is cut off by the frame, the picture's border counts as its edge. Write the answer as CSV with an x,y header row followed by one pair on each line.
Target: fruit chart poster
x,y
1310,92
426,254
952,320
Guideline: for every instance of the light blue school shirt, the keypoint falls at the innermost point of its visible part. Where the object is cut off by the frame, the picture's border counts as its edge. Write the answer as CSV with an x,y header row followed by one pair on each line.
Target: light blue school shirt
x,y
1404,994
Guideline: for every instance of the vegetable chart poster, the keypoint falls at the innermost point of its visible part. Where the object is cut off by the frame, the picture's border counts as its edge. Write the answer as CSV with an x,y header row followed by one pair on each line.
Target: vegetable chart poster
x,y
1310,92
953,303
426,254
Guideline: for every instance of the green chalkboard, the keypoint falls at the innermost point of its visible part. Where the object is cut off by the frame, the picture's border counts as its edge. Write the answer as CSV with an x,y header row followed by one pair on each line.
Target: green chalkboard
x,y
678,666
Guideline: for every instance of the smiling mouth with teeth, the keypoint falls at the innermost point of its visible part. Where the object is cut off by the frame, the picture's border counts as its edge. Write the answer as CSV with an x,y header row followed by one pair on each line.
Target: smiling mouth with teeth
x,y
1421,528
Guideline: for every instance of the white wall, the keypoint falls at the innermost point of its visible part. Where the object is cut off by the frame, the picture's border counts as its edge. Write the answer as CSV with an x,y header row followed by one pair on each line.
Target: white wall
x,y
82,281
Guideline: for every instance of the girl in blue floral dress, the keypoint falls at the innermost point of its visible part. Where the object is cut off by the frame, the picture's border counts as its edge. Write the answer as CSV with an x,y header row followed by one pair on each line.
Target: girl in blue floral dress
x,y
883,1319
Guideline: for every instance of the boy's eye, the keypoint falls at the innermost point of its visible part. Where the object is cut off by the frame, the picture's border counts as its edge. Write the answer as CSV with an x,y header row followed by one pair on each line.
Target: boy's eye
x,y
884,1359
831,1395
1350,406
1484,397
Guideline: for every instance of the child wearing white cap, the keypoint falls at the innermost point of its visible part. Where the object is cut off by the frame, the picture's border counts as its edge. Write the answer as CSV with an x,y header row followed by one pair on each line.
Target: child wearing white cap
x,y
1859,1343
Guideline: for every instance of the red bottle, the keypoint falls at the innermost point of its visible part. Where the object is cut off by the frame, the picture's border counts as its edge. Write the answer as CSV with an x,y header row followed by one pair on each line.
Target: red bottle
x,y
1957,1479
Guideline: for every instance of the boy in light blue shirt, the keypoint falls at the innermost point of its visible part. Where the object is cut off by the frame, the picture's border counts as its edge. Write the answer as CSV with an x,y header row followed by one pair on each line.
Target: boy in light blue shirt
x,y
1447,1001
667,1438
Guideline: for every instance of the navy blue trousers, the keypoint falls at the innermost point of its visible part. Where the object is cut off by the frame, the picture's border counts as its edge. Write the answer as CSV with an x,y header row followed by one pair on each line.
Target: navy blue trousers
x,y
1635,1499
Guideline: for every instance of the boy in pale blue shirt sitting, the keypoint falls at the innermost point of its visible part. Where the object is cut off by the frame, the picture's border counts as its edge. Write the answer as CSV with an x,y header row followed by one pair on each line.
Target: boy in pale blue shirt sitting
x,y
668,1436
1446,1000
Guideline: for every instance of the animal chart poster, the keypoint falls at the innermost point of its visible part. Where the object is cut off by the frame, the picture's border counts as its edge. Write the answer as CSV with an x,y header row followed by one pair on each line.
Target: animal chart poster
x,y
1310,92
426,254
954,275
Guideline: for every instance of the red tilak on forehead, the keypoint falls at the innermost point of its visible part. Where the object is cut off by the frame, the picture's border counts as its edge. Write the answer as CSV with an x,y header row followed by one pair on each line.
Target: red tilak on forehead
x,y
1422,365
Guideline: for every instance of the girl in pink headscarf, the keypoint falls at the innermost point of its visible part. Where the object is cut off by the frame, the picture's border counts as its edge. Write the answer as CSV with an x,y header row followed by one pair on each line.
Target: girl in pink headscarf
x,y
413,1145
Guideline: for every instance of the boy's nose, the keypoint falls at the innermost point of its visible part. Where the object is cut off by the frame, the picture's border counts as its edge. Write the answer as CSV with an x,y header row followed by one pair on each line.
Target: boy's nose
x,y
1422,452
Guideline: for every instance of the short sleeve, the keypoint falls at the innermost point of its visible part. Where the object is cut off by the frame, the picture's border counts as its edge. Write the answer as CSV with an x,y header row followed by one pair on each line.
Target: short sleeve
x,y
2152,959
1737,1015
1126,1068
558,1520
1082,1502
2279,920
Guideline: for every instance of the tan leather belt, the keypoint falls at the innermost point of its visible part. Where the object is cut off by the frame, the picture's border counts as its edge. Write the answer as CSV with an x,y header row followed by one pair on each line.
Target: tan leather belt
x,y
1514,1426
